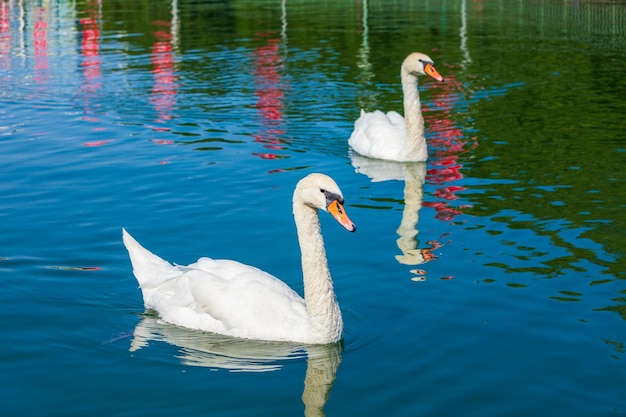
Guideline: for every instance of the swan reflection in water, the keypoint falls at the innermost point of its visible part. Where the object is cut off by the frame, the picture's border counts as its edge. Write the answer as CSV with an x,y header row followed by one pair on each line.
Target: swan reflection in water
x,y
215,351
414,175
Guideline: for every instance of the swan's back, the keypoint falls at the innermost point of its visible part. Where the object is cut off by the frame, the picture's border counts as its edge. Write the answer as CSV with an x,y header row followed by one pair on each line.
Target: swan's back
x,y
220,296
379,135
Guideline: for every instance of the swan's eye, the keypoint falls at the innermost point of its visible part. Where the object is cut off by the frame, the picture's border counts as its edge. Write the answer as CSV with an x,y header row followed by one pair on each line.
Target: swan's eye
x,y
330,197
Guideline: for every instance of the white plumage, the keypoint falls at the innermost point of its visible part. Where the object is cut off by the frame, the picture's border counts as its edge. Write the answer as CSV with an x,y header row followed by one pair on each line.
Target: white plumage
x,y
390,136
231,298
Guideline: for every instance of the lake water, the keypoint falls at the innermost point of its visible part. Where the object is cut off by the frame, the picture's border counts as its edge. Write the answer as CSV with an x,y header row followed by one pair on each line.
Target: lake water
x,y
490,281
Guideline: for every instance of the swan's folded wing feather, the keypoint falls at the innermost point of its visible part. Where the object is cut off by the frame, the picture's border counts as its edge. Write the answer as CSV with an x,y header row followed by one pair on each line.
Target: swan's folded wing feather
x,y
379,135
232,298
397,120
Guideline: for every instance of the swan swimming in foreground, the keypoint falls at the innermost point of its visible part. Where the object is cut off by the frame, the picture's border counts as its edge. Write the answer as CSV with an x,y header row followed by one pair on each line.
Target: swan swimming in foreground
x,y
230,298
391,136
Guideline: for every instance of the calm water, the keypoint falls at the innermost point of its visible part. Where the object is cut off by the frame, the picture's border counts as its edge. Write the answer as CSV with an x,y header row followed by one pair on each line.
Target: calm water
x,y
490,281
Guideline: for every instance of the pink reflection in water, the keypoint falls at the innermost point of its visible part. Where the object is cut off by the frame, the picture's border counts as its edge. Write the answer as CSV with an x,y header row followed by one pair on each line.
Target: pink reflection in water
x,y
96,143
270,92
163,141
5,35
91,66
40,46
165,88
90,49
164,92
448,142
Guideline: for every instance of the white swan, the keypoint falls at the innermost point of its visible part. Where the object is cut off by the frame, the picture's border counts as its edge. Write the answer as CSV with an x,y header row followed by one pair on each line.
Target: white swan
x,y
391,136
230,298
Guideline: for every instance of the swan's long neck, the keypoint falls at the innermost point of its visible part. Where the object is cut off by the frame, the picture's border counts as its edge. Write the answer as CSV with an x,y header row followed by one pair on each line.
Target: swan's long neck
x,y
319,294
416,149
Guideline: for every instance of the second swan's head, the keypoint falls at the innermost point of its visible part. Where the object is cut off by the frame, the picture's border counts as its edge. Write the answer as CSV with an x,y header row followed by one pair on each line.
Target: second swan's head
x,y
421,64
319,191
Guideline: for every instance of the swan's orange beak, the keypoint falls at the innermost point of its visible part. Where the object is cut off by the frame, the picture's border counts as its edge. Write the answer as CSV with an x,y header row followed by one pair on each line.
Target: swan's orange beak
x,y
336,209
430,70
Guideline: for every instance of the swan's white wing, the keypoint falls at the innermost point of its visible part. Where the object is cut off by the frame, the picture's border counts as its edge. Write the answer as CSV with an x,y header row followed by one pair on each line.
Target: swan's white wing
x,y
220,296
397,120
259,296
379,135
228,297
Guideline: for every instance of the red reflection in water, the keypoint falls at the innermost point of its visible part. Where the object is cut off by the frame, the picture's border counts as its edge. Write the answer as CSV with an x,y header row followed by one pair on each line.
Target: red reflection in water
x,y
266,155
40,45
164,90
5,35
427,253
448,142
90,49
91,65
270,92
96,143
163,141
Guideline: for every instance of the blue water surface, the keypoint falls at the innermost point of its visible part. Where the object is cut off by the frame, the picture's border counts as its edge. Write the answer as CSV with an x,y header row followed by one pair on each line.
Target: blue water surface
x,y
488,281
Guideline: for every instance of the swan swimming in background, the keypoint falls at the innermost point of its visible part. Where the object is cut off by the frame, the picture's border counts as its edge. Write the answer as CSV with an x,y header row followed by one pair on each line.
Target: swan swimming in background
x,y
390,136
230,298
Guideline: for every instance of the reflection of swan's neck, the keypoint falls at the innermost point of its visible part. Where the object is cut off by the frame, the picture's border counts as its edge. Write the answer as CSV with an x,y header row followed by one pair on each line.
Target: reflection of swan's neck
x,y
321,371
319,295
413,198
415,141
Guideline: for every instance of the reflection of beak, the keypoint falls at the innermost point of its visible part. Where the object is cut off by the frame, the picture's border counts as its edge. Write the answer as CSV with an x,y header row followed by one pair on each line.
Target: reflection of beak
x,y
430,70
336,209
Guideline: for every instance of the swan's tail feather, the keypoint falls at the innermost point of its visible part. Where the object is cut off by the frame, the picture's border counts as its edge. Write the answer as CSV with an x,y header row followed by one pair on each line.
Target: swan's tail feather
x,y
146,265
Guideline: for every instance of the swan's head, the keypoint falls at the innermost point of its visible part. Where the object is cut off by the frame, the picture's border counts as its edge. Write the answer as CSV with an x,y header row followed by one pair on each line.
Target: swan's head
x,y
319,191
421,64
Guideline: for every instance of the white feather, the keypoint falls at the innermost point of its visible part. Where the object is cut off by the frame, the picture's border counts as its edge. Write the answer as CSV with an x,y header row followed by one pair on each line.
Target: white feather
x,y
391,136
